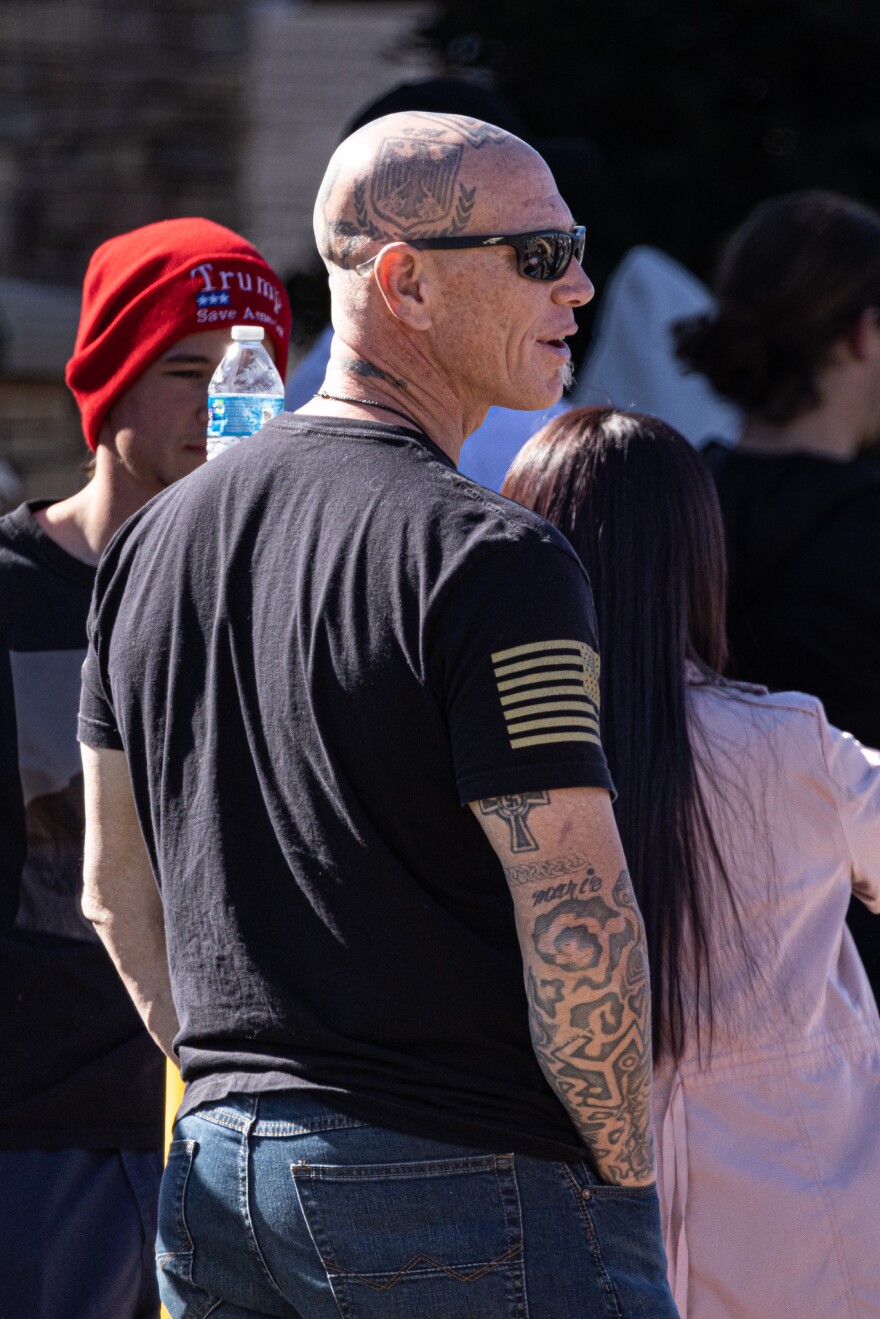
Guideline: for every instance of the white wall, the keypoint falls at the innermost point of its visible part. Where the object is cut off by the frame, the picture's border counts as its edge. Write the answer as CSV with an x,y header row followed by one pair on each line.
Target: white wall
x,y
312,67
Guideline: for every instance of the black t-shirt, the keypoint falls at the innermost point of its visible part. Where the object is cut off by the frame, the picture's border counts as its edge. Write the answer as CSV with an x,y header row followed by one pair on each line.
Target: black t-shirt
x,y
803,537
315,651
78,1070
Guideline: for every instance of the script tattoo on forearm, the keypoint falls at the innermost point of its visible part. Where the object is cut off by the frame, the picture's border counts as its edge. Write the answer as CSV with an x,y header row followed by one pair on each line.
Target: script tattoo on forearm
x,y
554,867
590,1021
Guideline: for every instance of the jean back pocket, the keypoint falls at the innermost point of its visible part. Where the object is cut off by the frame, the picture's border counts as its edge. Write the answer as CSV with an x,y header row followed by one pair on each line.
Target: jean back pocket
x,y
440,1239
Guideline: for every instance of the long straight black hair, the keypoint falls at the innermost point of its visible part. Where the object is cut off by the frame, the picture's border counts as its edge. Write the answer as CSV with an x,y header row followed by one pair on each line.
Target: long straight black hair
x,y
639,506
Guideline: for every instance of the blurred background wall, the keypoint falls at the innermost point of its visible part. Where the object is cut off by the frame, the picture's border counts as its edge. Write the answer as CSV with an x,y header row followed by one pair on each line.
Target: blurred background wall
x,y
667,120
115,113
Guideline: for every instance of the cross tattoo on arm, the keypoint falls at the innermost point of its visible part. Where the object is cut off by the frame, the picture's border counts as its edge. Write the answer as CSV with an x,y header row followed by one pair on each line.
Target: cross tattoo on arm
x,y
515,810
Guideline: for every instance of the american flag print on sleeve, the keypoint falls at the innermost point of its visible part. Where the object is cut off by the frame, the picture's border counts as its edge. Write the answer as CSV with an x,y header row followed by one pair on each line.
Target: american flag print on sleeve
x,y
549,692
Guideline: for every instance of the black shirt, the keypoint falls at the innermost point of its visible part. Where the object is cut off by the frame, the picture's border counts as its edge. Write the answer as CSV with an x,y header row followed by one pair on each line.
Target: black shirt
x,y
803,537
314,651
79,1070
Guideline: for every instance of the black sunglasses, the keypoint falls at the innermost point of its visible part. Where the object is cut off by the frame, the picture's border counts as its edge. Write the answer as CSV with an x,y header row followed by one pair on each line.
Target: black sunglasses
x,y
543,254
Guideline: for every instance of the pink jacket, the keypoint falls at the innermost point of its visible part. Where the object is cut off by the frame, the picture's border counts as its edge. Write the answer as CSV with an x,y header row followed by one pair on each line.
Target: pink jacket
x,y
769,1151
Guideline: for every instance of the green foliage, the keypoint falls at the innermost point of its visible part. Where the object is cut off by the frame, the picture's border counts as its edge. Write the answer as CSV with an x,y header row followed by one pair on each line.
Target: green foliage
x,y
699,109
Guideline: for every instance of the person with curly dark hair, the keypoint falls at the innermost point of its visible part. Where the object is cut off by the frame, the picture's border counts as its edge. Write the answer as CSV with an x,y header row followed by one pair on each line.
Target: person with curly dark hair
x,y
795,341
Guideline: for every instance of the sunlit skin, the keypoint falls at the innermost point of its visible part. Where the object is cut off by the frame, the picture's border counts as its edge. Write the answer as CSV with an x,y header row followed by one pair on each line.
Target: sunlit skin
x,y
509,345
153,435
156,431
450,332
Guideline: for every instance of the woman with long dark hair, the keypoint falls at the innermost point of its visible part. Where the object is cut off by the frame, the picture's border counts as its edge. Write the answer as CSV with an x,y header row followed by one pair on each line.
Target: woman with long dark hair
x,y
747,821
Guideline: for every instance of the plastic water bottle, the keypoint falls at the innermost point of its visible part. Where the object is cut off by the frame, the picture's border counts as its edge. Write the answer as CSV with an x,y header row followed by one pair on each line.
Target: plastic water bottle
x,y
245,391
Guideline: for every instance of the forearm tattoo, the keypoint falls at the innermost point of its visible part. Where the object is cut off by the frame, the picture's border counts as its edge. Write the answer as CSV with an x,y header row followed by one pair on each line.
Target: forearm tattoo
x,y
588,993
515,810
590,1019
538,871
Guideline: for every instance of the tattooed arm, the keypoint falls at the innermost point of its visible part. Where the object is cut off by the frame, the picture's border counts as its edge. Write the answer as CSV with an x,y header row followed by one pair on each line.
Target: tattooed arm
x,y
585,966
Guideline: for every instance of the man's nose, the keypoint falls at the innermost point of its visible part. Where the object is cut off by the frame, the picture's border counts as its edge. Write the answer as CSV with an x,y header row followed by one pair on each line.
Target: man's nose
x,y
575,288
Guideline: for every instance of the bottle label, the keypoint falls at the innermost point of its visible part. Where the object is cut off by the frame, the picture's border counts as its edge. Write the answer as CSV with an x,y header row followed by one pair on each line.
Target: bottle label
x,y
233,417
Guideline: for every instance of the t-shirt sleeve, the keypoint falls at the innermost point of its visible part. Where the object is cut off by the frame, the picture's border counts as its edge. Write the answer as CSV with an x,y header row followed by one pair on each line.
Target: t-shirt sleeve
x,y
518,665
97,726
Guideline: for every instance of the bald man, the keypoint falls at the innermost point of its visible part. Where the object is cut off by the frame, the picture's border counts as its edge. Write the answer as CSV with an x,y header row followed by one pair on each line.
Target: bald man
x,y
379,911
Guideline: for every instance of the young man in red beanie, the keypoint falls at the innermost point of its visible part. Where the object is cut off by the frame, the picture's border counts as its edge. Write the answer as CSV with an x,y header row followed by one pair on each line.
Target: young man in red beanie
x,y
81,1096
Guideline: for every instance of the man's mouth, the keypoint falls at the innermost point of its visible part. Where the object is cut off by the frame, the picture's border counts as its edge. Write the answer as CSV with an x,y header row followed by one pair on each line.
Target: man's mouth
x,y
558,346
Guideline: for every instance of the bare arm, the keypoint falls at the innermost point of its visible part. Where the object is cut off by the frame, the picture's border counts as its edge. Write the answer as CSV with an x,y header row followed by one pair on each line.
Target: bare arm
x,y
585,965
120,896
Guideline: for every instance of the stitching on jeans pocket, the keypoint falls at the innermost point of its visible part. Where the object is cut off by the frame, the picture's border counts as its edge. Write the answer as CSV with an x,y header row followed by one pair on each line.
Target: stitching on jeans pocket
x,y
176,1261
381,1230
436,1265
307,1127
173,1236
202,1310
599,1188
592,1237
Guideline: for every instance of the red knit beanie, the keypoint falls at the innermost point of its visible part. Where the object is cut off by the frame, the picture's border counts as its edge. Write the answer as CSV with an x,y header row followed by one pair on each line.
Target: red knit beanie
x,y
145,290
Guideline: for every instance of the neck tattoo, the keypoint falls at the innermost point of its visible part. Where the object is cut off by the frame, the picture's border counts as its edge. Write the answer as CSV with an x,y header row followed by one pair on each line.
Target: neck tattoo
x,y
370,403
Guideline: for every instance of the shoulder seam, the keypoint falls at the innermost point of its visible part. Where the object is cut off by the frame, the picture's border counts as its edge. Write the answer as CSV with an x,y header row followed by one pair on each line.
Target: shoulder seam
x,y
476,493
804,704
490,551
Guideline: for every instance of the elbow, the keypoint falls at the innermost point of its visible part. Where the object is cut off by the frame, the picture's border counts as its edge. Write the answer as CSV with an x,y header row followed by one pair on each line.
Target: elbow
x,y
93,908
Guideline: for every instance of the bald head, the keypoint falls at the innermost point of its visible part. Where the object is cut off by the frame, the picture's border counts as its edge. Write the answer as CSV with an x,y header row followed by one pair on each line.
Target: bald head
x,y
456,323
419,175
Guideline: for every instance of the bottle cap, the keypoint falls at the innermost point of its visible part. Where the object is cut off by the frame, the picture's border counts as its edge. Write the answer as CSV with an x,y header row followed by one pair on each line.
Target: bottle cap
x,y
248,332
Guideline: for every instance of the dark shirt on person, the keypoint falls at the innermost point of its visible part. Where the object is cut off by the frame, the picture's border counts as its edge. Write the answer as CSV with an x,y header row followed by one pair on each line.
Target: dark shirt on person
x,y
79,1071
314,652
803,543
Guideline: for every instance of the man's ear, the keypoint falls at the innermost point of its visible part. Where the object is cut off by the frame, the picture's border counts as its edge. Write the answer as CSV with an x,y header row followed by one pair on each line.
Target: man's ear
x,y
400,274
863,339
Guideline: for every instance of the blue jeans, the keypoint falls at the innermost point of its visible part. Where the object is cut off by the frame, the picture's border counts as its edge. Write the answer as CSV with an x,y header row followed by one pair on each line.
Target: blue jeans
x,y
278,1205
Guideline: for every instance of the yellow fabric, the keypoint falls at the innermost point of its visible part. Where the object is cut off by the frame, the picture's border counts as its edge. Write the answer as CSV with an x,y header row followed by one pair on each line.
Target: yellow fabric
x,y
173,1096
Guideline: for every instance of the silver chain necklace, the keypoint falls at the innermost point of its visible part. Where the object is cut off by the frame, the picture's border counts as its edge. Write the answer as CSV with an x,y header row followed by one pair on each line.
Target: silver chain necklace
x,y
369,403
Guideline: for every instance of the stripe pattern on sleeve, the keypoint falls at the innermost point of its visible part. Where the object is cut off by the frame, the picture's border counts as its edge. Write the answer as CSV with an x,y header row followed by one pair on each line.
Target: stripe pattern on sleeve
x,y
549,692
